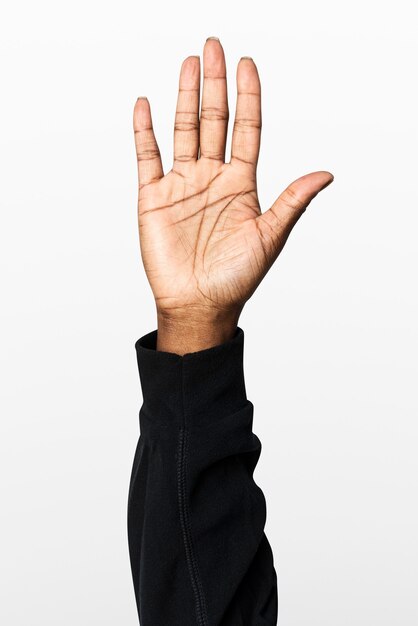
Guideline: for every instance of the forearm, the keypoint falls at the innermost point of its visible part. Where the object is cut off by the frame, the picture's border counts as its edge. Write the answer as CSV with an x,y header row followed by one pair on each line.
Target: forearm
x,y
196,517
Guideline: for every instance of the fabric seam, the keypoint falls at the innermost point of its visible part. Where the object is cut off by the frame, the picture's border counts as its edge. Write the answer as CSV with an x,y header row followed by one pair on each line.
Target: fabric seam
x,y
192,565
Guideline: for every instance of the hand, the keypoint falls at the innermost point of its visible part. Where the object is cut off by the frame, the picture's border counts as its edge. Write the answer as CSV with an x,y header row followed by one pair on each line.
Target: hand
x,y
204,241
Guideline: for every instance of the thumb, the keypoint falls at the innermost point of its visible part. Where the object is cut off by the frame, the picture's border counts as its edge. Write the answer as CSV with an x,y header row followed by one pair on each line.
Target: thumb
x,y
290,205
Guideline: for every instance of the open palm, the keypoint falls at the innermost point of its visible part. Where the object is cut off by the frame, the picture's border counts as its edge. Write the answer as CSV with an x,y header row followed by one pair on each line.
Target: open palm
x,y
205,243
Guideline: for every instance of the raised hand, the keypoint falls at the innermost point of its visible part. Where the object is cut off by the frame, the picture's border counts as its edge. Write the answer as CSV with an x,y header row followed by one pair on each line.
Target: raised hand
x,y
205,243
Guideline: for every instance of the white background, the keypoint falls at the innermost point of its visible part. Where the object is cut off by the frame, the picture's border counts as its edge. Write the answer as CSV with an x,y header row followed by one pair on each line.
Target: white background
x,y
330,334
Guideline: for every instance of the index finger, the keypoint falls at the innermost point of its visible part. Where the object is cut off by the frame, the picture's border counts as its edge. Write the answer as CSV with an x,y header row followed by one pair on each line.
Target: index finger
x,y
247,125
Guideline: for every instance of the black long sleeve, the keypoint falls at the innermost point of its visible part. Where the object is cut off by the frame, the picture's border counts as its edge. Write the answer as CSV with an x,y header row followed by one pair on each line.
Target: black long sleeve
x,y
198,551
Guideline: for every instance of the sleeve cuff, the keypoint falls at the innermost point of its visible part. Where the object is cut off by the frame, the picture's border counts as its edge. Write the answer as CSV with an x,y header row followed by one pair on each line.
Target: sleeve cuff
x,y
193,389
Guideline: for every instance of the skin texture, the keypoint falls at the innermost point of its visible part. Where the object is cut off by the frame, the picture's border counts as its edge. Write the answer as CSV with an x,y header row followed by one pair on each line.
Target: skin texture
x,y
205,243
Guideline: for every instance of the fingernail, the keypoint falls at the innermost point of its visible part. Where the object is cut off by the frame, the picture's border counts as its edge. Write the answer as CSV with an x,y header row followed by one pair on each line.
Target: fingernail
x,y
250,58
215,38
329,182
141,98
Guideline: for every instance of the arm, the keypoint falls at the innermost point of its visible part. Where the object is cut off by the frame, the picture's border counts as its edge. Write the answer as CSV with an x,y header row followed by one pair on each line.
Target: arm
x,y
196,517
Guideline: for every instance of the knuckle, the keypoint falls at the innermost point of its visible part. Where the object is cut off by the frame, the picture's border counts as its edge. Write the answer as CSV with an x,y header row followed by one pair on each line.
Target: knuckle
x,y
186,121
291,199
245,124
185,126
184,158
214,114
214,156
147,154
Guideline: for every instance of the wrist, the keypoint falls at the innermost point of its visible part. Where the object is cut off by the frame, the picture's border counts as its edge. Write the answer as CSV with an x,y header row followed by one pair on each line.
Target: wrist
x,y
187,332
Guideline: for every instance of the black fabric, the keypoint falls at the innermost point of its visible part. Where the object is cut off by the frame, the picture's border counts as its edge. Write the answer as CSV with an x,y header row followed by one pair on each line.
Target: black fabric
x,y
198,551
